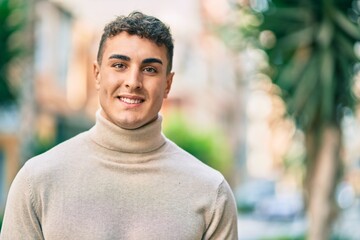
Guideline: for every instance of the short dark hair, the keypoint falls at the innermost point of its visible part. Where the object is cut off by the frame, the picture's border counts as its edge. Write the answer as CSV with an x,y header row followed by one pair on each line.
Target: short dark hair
x,y
143,26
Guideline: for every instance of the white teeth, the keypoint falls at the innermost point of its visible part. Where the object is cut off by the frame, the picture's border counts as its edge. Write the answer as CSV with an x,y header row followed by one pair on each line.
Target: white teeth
x,y
130,101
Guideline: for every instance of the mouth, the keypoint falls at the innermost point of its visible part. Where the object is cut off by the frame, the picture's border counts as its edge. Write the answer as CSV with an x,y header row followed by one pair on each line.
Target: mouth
x,y
131,100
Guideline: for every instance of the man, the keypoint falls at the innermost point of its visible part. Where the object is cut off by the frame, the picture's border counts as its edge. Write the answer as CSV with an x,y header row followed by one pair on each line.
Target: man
x,y
123,179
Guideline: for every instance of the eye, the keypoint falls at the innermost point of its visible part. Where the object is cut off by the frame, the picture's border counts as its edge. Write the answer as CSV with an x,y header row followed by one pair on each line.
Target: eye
x,y
119,65
150,70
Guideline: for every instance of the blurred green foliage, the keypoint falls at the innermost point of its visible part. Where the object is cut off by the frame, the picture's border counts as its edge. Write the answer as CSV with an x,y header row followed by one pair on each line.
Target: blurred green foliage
x,y
66,128
313,56
208,145
41,145
312,48
12,22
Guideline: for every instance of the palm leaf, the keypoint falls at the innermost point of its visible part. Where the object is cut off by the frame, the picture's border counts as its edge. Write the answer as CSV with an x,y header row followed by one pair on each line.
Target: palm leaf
x,y
344,24
327,67
290,73
305,86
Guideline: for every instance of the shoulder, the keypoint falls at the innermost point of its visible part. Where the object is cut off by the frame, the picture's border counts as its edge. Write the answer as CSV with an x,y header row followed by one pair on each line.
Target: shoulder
x,y
209,189
63,149
190,166
58,158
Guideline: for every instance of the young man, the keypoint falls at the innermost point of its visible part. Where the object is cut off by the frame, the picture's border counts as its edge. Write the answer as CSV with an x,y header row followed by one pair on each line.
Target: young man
x,y
123,179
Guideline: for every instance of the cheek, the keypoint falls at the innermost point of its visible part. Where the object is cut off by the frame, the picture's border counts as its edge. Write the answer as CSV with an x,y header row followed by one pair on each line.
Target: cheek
x,y
103,92
108,84
158,92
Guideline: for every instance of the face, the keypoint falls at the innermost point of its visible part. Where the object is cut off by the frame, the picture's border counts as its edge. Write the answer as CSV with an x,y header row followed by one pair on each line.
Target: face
x,y
132,80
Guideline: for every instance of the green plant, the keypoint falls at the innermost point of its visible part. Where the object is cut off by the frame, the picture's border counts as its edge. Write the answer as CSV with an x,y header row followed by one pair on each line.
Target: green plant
x,y
310,48
285,238
12,21
208,145
1,221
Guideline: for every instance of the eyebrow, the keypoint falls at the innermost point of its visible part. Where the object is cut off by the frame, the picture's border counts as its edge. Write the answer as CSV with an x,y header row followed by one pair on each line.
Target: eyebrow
x,y
119,56
126,58
152,60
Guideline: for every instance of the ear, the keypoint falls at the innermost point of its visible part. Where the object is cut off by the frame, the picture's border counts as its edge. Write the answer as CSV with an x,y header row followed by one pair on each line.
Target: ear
x,y
169,79
96,72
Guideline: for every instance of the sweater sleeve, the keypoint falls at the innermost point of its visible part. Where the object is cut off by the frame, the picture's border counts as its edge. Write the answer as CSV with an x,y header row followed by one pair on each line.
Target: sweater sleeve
x,y
223,223
21,220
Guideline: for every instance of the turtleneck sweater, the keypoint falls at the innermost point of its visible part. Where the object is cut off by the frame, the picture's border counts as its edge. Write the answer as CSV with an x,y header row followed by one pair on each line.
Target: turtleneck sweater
x,y
113,183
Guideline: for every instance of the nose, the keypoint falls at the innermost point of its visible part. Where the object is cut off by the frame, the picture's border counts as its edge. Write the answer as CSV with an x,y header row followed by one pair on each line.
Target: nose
x,y
133,80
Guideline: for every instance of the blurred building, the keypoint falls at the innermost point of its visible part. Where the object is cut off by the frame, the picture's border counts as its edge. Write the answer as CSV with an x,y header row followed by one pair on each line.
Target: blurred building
x,y
63,58
9,161
57,93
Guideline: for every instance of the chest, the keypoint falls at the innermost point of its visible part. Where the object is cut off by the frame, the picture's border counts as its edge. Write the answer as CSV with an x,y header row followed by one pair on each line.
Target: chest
x,y
123,210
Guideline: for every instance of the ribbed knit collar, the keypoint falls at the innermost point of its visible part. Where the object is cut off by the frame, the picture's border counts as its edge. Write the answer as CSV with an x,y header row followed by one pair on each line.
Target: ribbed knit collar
x,y
142,140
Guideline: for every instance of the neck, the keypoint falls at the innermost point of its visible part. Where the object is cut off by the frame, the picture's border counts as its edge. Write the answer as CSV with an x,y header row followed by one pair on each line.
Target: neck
x,y
141,140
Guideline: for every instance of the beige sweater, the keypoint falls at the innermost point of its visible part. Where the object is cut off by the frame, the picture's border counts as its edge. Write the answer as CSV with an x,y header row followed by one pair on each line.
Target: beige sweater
x,y
111,183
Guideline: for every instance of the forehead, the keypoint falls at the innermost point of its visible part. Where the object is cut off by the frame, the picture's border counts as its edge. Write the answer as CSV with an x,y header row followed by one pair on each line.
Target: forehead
x,y
133,46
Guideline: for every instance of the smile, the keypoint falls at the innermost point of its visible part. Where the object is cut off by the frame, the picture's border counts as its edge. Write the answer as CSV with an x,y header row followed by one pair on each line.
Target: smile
x,y
131,100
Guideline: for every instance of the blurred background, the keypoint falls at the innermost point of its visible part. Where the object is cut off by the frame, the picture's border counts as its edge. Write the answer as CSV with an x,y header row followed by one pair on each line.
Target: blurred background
x,y
264,91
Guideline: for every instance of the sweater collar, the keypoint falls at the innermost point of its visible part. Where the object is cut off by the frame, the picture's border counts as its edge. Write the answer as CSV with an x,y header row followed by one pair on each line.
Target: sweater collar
x,y
141,140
